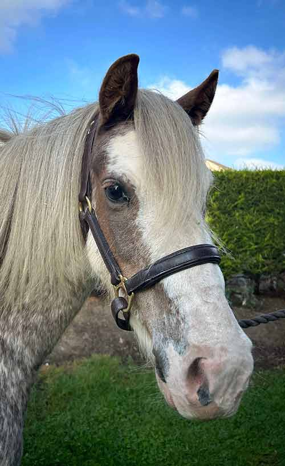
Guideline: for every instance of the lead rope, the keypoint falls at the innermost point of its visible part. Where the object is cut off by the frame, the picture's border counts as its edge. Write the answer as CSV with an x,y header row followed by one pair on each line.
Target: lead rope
x,y
263,319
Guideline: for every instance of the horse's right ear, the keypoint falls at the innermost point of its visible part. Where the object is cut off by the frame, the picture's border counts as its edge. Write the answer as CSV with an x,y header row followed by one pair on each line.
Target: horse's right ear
x,y
119,90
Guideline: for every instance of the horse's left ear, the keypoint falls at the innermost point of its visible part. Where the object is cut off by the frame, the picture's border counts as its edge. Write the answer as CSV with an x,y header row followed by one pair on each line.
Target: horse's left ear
x,y
119,89
198,101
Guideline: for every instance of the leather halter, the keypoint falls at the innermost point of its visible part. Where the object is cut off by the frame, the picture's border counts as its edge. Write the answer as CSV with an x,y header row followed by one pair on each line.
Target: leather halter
x,y
145,278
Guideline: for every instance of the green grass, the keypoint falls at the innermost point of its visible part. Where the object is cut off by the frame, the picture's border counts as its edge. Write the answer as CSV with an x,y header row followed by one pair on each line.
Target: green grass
x,y
100,413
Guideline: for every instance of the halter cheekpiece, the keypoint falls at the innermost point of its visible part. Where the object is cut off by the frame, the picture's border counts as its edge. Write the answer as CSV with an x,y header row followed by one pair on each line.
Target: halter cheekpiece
x,y
126,288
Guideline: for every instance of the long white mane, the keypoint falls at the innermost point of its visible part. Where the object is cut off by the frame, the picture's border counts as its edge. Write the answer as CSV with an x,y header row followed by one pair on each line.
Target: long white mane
x,y
40,236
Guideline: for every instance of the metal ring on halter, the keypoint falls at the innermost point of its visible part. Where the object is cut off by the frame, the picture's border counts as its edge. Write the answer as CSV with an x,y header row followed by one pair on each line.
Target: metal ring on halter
x,y
122,286
89,205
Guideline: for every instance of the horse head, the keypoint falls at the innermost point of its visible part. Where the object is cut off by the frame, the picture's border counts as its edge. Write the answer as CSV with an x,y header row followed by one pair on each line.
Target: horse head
x,y
149,186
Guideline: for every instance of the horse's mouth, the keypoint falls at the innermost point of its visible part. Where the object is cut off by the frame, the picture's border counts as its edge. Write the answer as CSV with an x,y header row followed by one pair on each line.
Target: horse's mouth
x,y
195,411
166,393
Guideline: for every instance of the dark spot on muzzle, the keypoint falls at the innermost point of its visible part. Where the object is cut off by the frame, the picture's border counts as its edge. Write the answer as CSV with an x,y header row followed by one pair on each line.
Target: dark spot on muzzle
x,y
160,373
204,395
161,364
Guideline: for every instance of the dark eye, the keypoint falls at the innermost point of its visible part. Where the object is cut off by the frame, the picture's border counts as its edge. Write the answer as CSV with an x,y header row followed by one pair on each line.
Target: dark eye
x,y
116,193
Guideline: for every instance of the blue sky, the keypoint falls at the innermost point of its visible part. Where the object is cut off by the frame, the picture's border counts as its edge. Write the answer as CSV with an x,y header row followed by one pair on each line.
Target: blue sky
x,y
64,47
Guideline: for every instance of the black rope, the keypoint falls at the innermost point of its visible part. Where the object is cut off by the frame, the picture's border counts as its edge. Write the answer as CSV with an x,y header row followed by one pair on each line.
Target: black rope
x,y
263,319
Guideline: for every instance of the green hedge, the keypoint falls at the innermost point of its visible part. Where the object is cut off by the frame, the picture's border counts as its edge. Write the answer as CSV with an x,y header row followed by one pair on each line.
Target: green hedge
x,y
246,210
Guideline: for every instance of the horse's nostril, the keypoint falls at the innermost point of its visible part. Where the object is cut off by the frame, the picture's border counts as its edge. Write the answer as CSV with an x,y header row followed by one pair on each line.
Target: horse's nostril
x,y
195,371
198,383
204,395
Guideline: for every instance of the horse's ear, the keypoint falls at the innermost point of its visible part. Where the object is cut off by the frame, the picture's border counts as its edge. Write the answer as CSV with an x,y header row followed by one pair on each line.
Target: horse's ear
x,y
198,101
119,89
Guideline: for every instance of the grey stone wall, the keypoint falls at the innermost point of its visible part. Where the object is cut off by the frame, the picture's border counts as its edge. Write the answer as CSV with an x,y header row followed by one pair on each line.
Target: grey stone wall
x,y
242,290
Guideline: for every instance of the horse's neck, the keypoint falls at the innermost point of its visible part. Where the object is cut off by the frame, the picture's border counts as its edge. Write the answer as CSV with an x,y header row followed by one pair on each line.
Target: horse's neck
x,y
27,335
33,330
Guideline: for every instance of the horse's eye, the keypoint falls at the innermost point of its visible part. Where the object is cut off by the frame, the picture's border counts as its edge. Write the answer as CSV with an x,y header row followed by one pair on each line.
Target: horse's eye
x,y
115,193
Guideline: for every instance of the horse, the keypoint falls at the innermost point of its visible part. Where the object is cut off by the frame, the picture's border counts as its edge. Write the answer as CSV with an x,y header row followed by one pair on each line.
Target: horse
x,y
148,185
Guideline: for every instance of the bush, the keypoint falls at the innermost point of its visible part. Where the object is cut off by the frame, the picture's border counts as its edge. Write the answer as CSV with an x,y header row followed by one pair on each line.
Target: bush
x,y
246,210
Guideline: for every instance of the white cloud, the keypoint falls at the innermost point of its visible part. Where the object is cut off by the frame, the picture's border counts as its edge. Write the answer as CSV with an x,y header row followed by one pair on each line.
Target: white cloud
x,y
191,11
14,13
243,60
172,88
156,9
256,65
248,119
245,120
253,164
152,9
129,9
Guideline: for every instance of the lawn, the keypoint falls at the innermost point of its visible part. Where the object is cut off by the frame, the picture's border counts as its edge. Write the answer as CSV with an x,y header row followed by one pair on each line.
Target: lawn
x,y
100,413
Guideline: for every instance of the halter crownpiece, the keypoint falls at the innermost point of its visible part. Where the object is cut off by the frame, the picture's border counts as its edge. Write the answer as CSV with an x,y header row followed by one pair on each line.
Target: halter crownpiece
x,y
125,288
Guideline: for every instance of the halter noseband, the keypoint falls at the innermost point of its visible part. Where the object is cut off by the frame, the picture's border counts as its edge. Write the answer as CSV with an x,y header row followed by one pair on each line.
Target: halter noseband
x,y
145,278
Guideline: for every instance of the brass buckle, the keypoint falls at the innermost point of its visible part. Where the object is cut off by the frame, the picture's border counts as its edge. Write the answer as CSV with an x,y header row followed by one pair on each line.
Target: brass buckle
x,y
121,286
89,205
